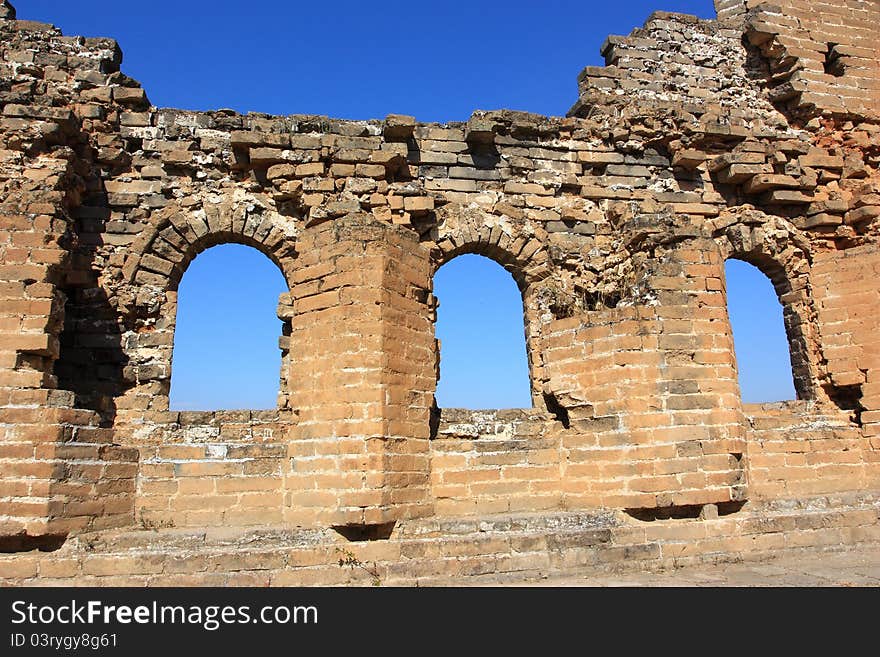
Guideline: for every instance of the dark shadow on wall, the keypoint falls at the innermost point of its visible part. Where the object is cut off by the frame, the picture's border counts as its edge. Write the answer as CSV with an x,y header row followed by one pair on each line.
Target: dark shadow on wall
x,y
27,543
91,361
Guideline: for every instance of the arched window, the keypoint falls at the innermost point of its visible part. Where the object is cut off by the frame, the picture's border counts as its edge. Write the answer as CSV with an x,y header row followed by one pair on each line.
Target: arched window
x,y
762,348
226,353
483,362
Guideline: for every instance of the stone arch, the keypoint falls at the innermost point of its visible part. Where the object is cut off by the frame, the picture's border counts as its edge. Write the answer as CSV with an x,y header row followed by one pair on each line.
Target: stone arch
x,y
161,255
781,253
493,322
498,248
463,230
226,352
176,235
467,230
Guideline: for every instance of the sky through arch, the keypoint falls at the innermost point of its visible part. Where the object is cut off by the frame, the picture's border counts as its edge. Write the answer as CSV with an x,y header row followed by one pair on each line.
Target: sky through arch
x,y
226,353
763,355
483,362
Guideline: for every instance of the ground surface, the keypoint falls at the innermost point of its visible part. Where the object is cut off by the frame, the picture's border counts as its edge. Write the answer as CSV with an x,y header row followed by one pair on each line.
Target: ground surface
x,y
844,567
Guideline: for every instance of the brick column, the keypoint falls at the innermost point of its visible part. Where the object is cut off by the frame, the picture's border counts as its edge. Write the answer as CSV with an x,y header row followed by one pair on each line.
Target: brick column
x,y
651,393
361,375
60,472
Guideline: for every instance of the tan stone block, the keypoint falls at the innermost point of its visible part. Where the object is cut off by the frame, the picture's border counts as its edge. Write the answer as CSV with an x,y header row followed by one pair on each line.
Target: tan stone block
x,y
18,567
309,169
122,565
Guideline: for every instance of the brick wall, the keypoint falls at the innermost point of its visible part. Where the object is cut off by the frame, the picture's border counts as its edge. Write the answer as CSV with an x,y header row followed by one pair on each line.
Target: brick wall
x,y
61,473
822,55
654,414
496,462
362,374
692,146
795,450
212,468
847,297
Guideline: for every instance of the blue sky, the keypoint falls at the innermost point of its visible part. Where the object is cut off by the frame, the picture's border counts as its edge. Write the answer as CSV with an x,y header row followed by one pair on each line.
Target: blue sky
x,y
435,61
482,363
226,340
761,346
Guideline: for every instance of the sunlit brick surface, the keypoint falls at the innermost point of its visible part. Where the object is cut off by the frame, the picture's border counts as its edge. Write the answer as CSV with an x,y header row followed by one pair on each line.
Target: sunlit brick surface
x,y
756,137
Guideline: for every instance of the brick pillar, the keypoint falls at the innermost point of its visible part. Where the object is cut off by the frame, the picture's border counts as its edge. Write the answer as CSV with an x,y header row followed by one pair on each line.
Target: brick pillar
x,y
361,375
651,395
31,314
60,472
847,294
701,400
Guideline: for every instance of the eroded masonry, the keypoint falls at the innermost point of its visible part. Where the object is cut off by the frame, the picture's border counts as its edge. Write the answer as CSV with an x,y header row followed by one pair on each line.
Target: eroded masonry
x,y
755,136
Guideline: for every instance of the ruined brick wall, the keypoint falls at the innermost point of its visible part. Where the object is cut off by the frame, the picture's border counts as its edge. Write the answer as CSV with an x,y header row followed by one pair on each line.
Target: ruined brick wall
x,y
796,451
698,142
848,314
819,55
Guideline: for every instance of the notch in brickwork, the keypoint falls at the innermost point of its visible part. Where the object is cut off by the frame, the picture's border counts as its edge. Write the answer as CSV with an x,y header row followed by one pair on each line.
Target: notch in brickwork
x,y
27,543
686,511
480,130
847,398
375,532
834,61
398,127
559,412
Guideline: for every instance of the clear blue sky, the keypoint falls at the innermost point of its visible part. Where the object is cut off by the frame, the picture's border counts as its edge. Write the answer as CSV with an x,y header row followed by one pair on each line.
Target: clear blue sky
x,y
437,61
226,340
762,353
359,60
482,363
